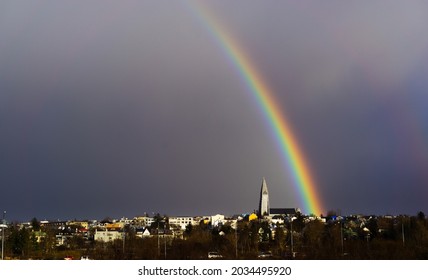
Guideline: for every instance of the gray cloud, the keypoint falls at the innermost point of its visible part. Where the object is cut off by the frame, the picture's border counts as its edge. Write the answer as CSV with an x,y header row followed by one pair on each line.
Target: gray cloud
x,y
120,109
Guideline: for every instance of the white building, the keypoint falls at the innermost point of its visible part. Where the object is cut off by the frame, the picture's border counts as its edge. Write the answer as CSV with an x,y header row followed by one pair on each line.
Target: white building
x,y
107,236
180,222
143,221
144,233
277,220
217,220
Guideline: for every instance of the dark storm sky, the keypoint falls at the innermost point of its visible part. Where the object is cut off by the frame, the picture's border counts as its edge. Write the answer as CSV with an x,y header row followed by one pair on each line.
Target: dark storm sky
x,y
116,109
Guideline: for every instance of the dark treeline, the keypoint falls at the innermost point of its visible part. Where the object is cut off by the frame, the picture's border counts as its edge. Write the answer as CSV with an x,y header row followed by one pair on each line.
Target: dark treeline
x,y
401,237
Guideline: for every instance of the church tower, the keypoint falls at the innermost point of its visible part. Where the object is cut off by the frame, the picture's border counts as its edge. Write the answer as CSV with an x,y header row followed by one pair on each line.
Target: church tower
x,y
264,199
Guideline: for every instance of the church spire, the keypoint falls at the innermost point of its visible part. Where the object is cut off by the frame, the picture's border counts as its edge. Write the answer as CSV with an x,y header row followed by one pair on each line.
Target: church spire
x,y
264,199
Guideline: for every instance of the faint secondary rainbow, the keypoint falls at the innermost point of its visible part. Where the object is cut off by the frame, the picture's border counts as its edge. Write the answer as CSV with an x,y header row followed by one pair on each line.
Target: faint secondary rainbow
x,y
257,86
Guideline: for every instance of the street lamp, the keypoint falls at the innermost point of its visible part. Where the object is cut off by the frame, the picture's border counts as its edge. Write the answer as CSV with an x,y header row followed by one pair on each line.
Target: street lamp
x,y
341,236
236,239
158,242
291,230
123,244
164,239
3,228
163,236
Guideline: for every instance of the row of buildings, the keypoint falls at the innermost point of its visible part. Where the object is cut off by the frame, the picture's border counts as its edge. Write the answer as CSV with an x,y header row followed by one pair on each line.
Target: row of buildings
x,y
146,226
142,226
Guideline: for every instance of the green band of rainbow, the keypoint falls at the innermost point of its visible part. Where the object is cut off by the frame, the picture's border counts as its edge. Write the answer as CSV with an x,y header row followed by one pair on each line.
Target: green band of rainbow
x,y
257,86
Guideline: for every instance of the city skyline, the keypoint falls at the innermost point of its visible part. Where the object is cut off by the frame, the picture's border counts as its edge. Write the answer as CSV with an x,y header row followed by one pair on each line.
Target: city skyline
x,y
263,207
116,109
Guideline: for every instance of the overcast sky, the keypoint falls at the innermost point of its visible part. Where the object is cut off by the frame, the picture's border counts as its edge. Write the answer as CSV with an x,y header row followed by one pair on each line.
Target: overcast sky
x,y
116,109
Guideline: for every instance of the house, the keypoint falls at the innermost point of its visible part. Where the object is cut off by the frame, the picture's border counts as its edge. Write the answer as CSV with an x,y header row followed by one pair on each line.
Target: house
x,y
107,236
78,224
142,232
217,220
180,222
143,221
277,220
113,226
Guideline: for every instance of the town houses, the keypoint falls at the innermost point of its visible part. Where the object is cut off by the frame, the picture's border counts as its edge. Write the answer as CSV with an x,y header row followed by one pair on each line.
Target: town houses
x,y
281,233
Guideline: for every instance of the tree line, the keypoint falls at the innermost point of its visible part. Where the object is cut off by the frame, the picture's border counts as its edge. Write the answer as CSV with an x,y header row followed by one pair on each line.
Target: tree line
x,y
402,237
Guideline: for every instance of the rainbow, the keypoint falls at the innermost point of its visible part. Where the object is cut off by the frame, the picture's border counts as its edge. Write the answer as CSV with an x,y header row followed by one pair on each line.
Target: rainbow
x,y
281,128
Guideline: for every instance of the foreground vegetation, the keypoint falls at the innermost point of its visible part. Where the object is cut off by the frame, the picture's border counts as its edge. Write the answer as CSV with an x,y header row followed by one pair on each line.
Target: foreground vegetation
x,y
401,237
